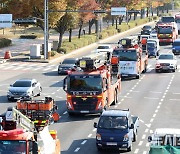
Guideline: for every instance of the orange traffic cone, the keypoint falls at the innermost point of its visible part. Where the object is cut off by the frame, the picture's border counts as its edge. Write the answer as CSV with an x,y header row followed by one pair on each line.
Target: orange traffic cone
x,y
7,55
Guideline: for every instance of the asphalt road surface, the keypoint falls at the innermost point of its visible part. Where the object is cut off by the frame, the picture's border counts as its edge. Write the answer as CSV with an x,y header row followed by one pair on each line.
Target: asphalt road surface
x,y
155,98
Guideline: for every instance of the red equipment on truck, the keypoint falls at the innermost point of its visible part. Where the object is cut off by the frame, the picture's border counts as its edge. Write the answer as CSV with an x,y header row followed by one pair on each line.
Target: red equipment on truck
x,y
94,88
167,32
19,134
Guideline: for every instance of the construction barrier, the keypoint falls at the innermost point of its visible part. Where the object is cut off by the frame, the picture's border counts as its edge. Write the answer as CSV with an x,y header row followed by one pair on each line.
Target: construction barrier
x,y
7,55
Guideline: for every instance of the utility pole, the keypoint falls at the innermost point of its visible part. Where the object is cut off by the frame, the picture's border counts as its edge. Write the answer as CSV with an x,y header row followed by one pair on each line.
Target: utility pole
x,y
45,29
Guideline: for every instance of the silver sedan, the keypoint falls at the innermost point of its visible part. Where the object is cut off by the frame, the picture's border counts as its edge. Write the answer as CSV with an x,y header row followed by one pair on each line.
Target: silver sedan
x,y
24,88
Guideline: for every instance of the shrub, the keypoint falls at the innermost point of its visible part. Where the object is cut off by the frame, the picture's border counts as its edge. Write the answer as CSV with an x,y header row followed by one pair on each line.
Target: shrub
x,y
53,53
28,36
5,42
61,50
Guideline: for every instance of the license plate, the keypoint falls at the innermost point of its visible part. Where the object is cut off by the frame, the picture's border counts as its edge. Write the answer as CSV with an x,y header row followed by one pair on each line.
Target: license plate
x,y
84,111
111,143
124,75
165,67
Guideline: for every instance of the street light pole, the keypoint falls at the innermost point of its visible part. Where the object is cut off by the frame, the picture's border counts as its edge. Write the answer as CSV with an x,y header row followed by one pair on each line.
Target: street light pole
x,y
45,29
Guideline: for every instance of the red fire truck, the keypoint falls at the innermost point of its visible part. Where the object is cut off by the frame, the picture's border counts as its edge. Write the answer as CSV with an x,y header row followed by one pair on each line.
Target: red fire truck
x,y
132,60
94,88
167,32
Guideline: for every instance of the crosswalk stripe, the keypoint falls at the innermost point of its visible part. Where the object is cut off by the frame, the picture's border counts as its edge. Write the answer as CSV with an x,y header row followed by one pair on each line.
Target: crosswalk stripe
x,y
6,68
17,68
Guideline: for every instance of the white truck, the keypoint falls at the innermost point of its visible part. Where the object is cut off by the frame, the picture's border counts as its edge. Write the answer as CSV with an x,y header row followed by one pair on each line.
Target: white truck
x,y
165,141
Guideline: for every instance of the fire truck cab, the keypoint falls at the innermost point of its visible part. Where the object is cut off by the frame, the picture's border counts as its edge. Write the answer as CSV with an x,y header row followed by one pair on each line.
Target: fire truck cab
x,y
167,32
94,88
132,60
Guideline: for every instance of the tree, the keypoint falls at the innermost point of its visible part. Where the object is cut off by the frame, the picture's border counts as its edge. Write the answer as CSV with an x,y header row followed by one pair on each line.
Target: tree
x,y
64,23
86,16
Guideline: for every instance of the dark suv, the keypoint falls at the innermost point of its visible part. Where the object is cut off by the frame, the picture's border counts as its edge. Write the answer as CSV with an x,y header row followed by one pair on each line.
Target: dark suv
x,y
146,30
68,65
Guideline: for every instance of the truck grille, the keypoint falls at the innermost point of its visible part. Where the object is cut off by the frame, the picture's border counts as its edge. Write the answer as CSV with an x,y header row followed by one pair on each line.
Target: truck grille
x,y
164,64
85,103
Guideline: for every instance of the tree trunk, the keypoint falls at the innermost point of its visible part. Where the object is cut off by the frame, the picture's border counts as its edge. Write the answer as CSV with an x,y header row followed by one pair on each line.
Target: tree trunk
x,y
147,12
96,26
80,28
60,40
112,21
116,23
91,22
121,19
157,11
70,34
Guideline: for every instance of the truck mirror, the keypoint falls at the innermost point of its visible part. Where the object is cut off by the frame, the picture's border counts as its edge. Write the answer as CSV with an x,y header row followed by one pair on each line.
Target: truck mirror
x,y
132,126
149,138
95,125
65,84
35,147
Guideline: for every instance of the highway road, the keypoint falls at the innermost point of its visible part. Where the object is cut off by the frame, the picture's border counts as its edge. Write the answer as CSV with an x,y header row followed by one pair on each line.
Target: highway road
x,y
155,98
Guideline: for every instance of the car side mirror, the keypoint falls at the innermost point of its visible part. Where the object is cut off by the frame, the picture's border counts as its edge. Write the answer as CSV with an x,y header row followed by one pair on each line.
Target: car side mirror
x,y
132,126
11,85
95,125
149,138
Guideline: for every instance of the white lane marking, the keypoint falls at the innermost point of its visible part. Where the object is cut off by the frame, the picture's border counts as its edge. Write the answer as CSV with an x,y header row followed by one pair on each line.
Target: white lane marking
x,y
144,152
174,99
140,143
37,68
136,151
6,68
150,98
148,125
83,142
119,103
122,99
58,97
65,112
156,111
144,136
146,130
141,120
162,100
134,91
77,149
147,144
127,94
27,68
176,93
89,135
158,106
154,115
48,68
155,92
151,131
17,68
152,119
116,106
94,129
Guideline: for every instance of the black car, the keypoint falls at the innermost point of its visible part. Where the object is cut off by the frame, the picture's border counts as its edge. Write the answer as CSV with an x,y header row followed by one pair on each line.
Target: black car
x,y
146,30
68,65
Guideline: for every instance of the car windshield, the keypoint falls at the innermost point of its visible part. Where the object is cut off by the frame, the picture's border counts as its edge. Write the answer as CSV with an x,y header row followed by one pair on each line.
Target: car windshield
x,y
165,30
176,44
126,55
12,147
166,57
146,27
85,83
69,61
150,45
167,19
103,47
22,84
113,122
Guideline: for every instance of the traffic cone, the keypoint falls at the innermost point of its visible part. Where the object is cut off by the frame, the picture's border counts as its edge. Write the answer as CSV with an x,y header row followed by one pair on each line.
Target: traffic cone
x,y
7,55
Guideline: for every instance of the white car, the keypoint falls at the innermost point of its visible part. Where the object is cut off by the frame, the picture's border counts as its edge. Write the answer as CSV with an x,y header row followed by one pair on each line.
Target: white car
x,y
24,88
104,48
166,62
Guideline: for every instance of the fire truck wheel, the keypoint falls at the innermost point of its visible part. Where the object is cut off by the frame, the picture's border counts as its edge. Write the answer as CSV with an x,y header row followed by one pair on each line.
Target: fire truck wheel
x,y
138,76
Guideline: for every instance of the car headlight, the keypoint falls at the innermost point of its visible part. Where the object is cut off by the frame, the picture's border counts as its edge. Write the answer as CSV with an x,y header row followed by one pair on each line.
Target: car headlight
x,y
9,93
98,136
172,64
126,137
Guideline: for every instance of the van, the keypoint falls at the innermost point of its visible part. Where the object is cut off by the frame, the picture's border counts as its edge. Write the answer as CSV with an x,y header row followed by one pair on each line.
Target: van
x,y
153,47
176,47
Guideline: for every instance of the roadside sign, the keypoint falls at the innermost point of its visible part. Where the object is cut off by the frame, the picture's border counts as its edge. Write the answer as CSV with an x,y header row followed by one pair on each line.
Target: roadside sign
x,y
5,20
118,11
